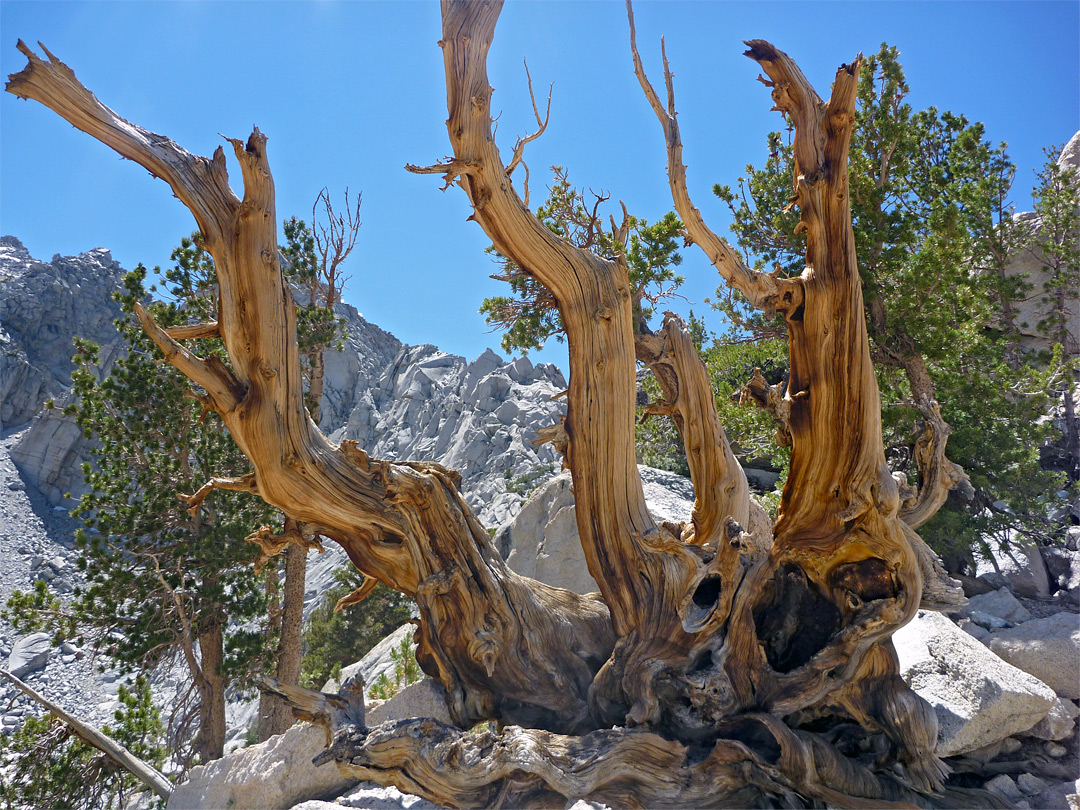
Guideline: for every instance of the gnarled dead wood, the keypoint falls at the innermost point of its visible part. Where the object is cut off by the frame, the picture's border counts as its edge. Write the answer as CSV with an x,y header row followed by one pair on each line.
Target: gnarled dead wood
x,y
769,398
761,289
720,487
937,474
811,624
710,653
503,646
141,770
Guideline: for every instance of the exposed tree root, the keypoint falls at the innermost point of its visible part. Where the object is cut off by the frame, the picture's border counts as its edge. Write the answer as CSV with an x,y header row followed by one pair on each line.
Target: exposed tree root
x,y
740,664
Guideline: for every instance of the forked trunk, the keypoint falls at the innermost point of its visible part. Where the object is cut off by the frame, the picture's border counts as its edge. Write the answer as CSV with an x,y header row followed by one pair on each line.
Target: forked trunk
x,y
714,646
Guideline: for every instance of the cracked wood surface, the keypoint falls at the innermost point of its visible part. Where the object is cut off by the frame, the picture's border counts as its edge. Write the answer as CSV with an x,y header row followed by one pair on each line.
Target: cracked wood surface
x,y
708,652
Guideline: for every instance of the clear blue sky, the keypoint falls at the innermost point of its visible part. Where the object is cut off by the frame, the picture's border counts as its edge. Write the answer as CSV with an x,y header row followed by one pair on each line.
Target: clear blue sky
x,y
348,92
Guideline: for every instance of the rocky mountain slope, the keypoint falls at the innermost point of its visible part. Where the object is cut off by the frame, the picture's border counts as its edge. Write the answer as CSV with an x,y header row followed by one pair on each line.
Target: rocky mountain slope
x,y
397,401
479,417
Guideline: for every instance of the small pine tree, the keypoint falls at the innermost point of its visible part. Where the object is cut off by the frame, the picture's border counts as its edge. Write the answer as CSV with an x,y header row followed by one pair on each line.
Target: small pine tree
x,y
45,765
333,639
163,583
406,671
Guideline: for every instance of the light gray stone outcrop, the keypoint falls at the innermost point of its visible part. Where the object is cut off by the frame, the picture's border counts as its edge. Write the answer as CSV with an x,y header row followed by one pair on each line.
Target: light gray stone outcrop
x,y
1000,603
542,542
1022,566
1028,263
29,654
1059,724
978,698
1047,648
1063,566
43,307
376,662
273,775
425,698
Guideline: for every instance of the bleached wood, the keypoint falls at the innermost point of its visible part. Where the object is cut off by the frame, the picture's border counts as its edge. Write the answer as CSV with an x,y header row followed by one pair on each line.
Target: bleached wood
x,y
141,770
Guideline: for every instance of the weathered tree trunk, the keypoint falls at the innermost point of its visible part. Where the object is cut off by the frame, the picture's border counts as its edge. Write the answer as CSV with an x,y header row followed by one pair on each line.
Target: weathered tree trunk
x,y
210,742
713,645
271,705
275,715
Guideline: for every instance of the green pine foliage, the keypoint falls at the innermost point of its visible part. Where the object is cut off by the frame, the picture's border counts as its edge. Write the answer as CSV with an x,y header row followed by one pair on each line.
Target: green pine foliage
x,y
161,583
406,670
750,430
529,317
333,640
45,765
317,328
934,231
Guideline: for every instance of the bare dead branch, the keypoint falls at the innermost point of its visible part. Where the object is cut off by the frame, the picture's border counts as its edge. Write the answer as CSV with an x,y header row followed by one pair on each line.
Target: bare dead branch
x,y
200,183
141,770
761,290
937,474
194,331
771,399
519,147
244,483
720,487
357,596
294,533
223,388
451,170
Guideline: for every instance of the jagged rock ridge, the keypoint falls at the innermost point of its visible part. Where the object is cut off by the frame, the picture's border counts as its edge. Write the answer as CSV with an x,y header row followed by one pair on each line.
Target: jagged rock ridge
x,y
42,308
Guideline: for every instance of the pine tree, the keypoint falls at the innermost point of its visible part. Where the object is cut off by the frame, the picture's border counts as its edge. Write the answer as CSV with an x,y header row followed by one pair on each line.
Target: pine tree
x,y
934,233
337,637
168,579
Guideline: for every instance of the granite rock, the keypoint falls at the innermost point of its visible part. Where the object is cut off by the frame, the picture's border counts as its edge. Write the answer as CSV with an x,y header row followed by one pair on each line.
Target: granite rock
x,y
978,698
273,775
43,307
1047,648
29,654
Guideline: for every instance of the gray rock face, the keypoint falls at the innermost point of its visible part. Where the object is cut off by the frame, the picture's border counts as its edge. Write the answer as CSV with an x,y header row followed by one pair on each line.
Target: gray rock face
x,y
29,654
425,698
42,308
1000,603
366,352
1028,264
1022,566
978,698
376,662
477,418
273,775
1047,648
1059,724
542,542
369,796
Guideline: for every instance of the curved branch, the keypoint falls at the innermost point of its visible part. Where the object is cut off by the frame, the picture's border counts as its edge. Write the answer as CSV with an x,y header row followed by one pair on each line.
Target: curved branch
x,y
937,474
243,483
762,290
595,303
201,184
770,398
720,487
224,390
